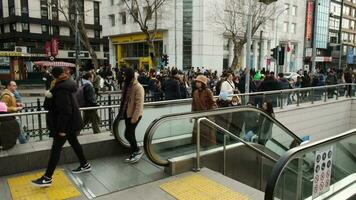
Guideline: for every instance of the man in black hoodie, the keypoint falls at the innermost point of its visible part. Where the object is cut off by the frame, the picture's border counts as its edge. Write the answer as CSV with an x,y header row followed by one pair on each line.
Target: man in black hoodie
x,y
64,122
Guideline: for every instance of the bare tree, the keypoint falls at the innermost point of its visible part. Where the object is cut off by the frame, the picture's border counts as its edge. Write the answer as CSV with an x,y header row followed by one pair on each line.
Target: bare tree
x,y
232,20
146,14
68,11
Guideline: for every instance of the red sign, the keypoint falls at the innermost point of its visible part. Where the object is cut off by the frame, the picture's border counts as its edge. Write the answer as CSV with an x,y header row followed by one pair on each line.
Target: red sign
x,y
309,21
54,46
48,48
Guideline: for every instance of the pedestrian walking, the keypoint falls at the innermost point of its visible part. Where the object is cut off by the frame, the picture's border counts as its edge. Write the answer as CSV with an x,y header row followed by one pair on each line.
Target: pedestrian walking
x,y
90,116
64,122
131,110
203,100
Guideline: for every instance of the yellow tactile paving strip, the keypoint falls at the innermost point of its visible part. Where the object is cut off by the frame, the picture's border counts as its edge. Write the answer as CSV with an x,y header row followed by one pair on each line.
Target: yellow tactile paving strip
x,y
198,187
22,189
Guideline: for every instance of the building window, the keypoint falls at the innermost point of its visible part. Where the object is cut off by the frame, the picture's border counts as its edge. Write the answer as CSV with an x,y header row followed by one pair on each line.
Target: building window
x,y
294,11
285,27
44,9
112,2
13,27
286,7
293,28
96,13
123,17
11,4
25,27
54,8
96,33
55,30
24,7
135,13
112,20
1,11
148,12
187,33
334,24
44,28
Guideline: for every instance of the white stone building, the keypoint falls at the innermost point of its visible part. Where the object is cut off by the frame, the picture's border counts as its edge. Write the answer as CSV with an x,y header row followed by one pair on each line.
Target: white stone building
x,y
187,36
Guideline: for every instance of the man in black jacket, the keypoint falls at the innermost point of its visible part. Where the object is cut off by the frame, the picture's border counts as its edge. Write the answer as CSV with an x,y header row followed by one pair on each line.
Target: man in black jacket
x,y
90,101
64,122
171,87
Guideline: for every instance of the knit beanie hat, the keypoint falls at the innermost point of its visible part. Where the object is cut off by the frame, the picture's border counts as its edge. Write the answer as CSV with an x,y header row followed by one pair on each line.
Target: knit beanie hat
x,y
57,71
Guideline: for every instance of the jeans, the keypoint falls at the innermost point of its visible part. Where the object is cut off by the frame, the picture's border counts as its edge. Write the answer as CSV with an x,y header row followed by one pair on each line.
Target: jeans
x,y
130,134
57,145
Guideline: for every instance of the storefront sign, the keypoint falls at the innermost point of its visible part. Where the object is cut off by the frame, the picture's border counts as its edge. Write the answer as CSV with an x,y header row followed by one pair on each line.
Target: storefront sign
x,y
322,171
309,21
54,46
9,54
48,48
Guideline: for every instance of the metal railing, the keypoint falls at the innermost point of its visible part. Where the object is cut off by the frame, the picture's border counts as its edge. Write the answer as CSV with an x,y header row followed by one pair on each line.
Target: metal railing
x,y
32,117
226,133
299,154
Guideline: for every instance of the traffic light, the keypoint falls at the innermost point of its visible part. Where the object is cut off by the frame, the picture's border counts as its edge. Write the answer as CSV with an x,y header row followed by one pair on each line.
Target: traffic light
x,y
274,53
165,60
281,55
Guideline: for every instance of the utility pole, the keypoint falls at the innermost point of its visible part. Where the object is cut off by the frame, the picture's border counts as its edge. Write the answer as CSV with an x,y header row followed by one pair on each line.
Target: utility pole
x,y
248,49
314,35
340,34
77,41
261,51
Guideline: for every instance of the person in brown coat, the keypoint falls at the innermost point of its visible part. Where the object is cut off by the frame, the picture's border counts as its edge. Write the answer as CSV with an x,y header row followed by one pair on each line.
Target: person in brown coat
x,y
203,100
131,110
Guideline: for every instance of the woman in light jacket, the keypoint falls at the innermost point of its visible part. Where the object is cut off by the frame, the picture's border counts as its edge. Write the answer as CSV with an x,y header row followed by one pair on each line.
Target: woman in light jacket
x,y
203,100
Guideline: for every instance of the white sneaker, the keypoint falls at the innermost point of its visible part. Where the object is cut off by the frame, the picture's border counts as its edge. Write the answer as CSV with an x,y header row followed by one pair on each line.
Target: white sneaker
x,y
135,157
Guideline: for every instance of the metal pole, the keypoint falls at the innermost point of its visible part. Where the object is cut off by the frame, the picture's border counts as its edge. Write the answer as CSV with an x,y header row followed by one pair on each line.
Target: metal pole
x,y
314,35
197,168
77,41
340,34
259,67
248,50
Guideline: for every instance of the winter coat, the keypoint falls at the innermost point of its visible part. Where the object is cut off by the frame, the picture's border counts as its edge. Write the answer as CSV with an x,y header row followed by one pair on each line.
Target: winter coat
x,y
172,89
204,101
9,99
9,131
135,101
63,110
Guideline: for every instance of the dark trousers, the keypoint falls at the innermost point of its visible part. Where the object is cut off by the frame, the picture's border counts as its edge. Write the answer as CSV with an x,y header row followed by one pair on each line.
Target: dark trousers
x,y
91,116
57,145
130,134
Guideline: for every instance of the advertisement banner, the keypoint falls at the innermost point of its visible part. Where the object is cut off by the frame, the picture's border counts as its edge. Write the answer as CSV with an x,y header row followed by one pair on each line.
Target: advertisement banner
x,y
55,44
309,21
48,48
322,171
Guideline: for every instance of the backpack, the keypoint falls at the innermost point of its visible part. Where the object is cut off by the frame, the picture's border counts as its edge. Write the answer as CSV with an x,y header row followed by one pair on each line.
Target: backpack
x,y
79,96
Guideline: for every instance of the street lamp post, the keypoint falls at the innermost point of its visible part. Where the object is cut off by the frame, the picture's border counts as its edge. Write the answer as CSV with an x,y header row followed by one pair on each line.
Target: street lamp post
x,y
248,49
77,42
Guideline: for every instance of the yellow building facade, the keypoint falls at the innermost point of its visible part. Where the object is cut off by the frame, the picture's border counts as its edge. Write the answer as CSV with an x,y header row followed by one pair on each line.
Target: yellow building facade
x,y
132,50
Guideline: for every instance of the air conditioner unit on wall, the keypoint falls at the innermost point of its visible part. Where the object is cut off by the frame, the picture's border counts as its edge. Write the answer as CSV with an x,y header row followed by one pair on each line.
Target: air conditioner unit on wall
x,y
21,49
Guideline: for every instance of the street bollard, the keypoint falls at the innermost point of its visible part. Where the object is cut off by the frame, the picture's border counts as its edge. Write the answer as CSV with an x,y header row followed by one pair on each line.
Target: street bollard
x,y
39,119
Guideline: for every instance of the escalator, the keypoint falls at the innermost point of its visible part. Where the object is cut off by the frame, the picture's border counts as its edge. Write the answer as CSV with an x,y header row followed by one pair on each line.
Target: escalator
x,y
297,174
253,143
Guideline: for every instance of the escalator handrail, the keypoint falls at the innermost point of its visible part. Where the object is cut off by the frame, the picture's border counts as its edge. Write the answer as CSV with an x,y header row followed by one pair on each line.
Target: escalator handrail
x,y
292,153
189,115
239,139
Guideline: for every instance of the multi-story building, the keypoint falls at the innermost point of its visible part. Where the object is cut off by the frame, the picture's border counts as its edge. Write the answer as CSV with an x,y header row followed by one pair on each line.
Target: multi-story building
x,y
348,31
187,36
26,25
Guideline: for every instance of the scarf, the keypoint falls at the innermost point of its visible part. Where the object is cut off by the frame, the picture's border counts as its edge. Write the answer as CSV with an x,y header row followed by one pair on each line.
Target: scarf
x,y
125,99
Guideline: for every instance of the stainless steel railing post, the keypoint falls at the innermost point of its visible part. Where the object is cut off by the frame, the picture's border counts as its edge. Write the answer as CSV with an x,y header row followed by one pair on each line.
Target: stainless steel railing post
x,y
224,169
197,167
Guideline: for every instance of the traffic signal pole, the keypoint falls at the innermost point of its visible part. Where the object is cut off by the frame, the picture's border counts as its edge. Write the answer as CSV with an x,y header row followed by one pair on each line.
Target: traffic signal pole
x,y
248,50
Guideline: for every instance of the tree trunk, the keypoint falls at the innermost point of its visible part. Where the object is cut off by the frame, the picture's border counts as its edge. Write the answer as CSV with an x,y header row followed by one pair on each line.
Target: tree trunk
x,y
237,53
152,51
86,42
